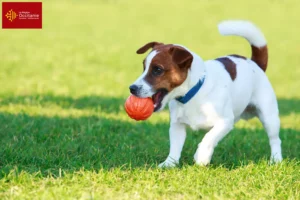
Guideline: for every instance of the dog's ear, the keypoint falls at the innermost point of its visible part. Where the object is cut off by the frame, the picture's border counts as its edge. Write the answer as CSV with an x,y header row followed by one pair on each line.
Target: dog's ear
x,y
181,56
147,46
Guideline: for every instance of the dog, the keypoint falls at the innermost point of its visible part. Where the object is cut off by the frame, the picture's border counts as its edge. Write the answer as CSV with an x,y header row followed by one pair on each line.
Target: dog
x,y
212,94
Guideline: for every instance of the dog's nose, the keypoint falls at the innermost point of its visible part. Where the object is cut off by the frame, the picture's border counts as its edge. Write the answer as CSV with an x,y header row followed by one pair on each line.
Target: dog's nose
x,y
133,89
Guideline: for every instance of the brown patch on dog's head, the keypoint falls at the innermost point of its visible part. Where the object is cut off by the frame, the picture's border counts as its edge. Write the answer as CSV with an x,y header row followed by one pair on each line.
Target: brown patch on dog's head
x,y
147,46
229,65
169,67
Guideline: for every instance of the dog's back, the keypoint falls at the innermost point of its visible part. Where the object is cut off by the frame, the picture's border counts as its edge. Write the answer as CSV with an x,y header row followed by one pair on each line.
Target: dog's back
x,y
245,77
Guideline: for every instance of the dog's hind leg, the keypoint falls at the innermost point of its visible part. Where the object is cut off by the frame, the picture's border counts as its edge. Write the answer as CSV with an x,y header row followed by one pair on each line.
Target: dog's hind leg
x,y
268,115
267,111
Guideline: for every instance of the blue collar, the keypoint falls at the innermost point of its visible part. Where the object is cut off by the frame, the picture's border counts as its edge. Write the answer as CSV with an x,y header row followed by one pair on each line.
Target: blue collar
x,y
191,93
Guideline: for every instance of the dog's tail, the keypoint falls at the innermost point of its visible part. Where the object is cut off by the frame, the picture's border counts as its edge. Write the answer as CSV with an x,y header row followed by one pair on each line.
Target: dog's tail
x,y
254,36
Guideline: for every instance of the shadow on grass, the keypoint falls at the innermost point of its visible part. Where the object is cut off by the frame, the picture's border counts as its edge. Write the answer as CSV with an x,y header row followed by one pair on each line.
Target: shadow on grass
x,y
48,144
288,106
110,104
99,103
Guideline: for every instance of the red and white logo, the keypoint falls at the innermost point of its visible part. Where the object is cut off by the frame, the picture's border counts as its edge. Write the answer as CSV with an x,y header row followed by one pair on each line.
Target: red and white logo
x,y
21,15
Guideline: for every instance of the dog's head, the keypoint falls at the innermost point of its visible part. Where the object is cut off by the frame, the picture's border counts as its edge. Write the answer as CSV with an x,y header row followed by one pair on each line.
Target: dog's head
x,y
165,68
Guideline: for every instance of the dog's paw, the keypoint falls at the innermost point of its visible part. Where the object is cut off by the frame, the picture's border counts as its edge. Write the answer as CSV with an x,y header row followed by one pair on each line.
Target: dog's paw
x,y
203,161
203,156
276,159
168,163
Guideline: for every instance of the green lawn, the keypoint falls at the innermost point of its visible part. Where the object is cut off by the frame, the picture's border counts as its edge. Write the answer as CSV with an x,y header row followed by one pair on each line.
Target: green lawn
x,y
64,132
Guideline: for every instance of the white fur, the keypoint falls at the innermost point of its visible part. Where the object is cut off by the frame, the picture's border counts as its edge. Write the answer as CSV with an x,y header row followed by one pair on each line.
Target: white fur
x,y
244,29
221,102
145,89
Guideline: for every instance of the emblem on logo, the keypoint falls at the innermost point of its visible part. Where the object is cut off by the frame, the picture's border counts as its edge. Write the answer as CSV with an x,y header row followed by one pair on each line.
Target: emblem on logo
x,y
22,15
11,15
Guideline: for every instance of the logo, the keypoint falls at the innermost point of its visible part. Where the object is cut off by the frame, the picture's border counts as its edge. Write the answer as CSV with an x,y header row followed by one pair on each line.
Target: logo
x,y
11,15
21,15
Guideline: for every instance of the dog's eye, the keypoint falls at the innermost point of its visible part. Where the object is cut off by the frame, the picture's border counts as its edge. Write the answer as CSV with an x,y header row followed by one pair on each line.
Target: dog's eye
x,y
156,70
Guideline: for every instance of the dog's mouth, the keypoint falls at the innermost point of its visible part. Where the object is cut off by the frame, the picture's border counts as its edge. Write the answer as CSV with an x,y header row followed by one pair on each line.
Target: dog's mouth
x,y
158,97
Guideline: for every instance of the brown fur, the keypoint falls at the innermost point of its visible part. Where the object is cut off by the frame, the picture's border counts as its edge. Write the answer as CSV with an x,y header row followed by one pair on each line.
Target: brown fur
x,y
175,61
251,109
147,46
229,65
260,56
250,112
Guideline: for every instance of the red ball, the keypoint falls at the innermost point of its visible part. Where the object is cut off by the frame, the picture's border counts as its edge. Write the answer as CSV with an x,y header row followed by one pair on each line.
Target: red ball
x,y
139,108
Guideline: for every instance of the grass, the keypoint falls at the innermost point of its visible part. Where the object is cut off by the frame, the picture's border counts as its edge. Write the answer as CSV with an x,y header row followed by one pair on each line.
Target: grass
x,y
65,135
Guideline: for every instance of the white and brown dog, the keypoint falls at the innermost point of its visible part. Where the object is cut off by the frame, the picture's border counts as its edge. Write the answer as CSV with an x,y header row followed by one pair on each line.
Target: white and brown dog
x,y
211,94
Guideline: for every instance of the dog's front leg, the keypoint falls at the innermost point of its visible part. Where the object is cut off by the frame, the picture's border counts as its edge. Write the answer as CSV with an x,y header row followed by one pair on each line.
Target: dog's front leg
x,y
177,137
211,139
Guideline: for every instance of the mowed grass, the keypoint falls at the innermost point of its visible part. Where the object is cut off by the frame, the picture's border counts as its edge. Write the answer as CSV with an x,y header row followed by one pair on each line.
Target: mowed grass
x,y
65,135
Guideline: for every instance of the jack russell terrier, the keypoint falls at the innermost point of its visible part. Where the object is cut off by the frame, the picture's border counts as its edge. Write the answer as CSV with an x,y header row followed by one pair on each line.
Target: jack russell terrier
x,y
212,94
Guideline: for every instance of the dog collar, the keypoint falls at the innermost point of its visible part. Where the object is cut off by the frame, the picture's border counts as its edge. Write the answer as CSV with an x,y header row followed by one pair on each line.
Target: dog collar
x,y
191,93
